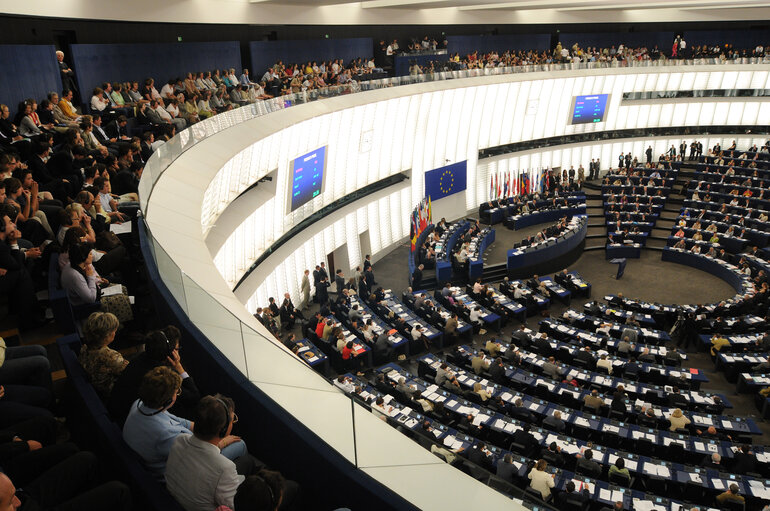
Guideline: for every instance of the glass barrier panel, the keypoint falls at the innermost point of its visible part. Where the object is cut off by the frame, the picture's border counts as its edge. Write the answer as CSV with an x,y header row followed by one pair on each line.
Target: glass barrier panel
x,y
217,323
169,273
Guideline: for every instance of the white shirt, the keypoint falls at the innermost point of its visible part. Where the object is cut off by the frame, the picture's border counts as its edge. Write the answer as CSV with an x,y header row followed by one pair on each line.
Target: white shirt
x,y
475,315
162,113
99,103
104,200
167,91
199,477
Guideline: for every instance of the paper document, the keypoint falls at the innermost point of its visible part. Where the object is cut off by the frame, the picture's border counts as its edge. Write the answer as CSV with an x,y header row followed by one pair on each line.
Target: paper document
x,y
123,228
114,289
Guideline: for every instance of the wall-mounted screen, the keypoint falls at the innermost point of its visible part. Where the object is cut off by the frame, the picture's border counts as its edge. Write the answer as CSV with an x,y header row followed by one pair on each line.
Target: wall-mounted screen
x,y
589,109
307,177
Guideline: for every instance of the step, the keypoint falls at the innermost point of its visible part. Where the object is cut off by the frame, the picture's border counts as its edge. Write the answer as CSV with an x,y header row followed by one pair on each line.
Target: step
x,y
594,236
657,249
660,238
597,225
595,247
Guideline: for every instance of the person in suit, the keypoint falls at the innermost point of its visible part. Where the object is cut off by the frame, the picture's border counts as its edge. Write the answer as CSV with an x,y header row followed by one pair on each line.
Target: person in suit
x,y
732,495
676,399
554,422
322,290
118,129
553,455
619,399
648,153
480,455
521,412
552,370
521,337
526,439
339,281
542,346
506,469
625,346
417,277
593,400
304,288
568,498
587,357
646,356
497,370
587,465
630,334
744,460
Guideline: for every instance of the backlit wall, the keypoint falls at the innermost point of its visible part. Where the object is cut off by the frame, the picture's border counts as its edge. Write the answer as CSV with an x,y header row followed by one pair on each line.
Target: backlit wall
x,y
414,133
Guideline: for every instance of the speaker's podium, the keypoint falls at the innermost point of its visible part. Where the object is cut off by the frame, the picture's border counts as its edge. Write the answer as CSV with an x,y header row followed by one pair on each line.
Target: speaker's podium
x,y
621,262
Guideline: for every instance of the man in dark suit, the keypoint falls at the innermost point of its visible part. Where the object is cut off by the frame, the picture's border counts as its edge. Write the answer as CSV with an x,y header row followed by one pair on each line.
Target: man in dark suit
x,y
59,188
526,439
497,370
554,422
417,277
118,129
571,499
677,400
587,465
322,269
542,346
744,460
648,152
479,455
506,469
339,281
521,337
521,412
587,357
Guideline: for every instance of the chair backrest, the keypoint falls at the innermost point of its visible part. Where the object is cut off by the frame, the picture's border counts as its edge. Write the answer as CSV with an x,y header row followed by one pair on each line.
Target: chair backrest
x,y
619,479
502,486
733,505
58,299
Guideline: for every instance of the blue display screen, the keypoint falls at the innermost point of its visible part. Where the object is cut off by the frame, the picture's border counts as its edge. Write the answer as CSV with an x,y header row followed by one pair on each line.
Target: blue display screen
x,y
589,108
307,177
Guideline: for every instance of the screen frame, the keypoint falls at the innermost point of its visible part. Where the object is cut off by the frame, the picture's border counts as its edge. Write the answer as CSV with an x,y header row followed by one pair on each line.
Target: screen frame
x,y
290,184
571,114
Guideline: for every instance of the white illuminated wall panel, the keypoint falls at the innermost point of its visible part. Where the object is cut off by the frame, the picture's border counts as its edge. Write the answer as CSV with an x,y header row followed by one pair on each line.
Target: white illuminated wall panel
x,y
418,132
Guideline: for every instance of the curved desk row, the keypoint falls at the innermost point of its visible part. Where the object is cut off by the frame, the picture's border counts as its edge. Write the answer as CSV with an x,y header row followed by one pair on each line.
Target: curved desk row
x,y
476,264
551,248
725,271
501,214
444,265
414,256
517,222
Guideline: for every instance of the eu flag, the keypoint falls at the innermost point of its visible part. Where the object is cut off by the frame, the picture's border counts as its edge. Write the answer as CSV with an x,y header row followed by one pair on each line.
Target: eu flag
x,y
445,181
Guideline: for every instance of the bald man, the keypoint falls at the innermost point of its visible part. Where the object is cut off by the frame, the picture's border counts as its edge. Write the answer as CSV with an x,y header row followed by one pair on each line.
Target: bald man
x,y
8,499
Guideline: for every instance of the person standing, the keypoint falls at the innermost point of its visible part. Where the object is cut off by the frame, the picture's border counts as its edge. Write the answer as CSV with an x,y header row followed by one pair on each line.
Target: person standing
x,y
648,152
305,290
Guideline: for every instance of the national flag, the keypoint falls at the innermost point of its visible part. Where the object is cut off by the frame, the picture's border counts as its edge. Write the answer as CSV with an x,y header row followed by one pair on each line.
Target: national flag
x,y
430,211
499,187
491,186
505,187
413,231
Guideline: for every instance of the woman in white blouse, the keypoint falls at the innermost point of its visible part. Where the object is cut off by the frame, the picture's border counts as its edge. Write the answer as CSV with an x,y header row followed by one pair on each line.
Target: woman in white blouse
x,y
541,480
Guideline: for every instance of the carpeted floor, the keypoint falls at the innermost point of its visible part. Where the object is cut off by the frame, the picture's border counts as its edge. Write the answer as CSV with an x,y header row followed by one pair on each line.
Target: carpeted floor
x,y
647,278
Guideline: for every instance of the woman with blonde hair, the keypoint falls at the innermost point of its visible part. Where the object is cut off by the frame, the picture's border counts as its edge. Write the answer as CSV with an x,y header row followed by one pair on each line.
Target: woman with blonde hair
x,y
541,480
102,364
678,420
481,391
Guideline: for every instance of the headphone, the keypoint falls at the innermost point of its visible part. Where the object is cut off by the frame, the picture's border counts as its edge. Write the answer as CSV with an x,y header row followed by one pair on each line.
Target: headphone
x,y
223,432
169,347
